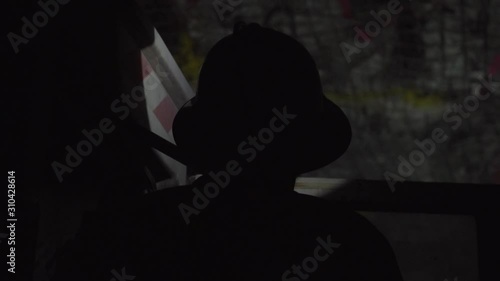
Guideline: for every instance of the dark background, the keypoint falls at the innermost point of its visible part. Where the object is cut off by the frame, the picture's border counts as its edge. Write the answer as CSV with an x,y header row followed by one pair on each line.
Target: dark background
x,y
393,92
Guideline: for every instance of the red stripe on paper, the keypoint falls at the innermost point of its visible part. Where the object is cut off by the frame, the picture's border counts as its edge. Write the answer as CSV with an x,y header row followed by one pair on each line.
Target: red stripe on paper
x,y
165,112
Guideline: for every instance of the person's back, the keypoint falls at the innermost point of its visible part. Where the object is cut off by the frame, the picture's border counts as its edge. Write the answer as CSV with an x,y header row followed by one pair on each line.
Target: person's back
x,y
249,235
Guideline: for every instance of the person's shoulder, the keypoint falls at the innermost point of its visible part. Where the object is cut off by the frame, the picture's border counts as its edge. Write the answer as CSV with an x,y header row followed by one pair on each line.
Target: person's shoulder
x,y
362,244
341,219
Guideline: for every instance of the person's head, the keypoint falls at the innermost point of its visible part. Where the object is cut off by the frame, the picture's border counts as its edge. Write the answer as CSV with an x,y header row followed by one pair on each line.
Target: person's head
x,y
260,103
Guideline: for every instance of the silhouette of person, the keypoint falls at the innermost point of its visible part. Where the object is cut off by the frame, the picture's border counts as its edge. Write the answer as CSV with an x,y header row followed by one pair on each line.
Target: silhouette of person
x,y
259,120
